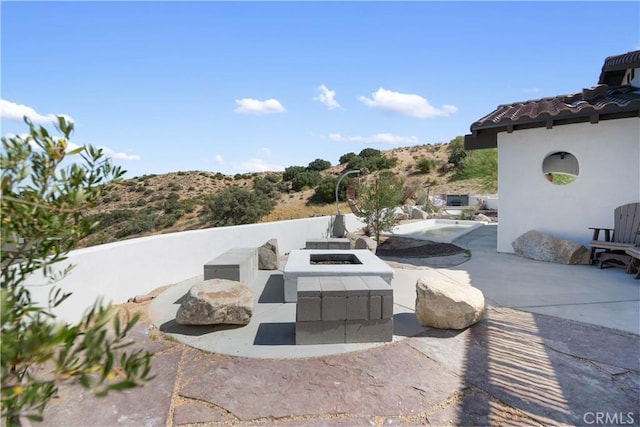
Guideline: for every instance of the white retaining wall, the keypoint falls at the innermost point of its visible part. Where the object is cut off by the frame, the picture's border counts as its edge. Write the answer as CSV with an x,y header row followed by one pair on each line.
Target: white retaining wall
x,y
121,270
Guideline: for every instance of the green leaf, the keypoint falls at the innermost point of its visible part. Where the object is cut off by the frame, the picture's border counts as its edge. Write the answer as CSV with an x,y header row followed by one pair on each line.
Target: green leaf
x,y
75,151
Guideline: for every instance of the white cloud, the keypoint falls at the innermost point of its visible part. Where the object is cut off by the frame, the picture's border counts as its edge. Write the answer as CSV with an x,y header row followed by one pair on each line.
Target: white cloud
x,y
118,155
257,165
531,90
219,159
379,138
12,111
406,104
326,97
255,106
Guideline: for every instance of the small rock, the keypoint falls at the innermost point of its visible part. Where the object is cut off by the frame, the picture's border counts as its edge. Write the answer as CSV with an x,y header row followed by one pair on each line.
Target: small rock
x,y
141,298
482,217
268,256
365,242
352,238
446,304
216,301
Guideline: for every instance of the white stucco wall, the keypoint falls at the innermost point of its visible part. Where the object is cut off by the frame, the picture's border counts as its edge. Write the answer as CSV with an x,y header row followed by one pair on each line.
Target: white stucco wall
x,y
609,157
121,270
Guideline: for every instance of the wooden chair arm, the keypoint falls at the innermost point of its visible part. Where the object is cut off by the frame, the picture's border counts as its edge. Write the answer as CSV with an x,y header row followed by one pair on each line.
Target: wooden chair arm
x,y
596,233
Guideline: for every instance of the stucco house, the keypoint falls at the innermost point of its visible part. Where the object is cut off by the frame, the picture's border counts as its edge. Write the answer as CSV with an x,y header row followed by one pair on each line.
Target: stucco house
x,y
566,162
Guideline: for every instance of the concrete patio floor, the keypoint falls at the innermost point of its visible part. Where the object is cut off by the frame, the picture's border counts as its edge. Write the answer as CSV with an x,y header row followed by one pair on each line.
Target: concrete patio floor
x,y
559,345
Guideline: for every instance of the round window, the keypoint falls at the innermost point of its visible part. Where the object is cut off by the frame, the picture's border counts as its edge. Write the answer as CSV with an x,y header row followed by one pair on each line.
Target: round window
x,y
560,168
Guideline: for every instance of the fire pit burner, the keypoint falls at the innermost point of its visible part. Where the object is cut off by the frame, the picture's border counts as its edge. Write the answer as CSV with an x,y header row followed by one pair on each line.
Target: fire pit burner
x,y
333,259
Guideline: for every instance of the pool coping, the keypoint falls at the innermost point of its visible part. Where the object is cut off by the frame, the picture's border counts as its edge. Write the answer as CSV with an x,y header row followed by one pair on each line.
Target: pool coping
x,y
405,230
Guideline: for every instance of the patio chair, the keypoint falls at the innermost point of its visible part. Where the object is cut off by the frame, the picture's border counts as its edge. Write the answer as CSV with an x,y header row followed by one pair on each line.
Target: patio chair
x,y
625,234
634,252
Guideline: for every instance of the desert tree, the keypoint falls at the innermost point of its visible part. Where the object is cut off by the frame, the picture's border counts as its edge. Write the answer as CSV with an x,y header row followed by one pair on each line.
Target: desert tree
x,y
235,206
377,198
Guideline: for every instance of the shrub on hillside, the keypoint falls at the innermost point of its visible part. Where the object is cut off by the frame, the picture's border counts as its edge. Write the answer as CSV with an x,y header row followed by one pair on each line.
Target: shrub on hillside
x,y
267,187
141,223
482,164
291,171
235,206
107,219
370,160
346,158
301,178
325,191
319,165
308,179
457,152
425,165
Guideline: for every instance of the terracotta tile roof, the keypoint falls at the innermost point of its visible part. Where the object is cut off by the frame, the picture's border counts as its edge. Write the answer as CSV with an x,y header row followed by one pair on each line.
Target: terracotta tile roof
x,y
615,66
597,99
601,102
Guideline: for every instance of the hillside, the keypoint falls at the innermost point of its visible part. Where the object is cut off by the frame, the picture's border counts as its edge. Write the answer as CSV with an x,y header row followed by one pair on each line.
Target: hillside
x,y
155,204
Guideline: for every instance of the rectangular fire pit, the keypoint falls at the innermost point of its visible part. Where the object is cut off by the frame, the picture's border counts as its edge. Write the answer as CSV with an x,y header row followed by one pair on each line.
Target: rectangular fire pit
x,y
322,263
344,309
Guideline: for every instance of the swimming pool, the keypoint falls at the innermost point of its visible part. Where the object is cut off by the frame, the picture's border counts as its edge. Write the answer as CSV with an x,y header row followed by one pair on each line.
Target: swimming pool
x,y
436,230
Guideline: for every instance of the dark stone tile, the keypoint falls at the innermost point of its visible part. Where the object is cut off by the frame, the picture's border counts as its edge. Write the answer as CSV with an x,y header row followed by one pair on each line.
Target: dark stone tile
x,y
386,381
192,413
511,356
146,405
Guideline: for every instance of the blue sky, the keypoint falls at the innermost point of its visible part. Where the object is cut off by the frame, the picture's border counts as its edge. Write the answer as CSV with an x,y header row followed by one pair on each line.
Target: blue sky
x,y
237,87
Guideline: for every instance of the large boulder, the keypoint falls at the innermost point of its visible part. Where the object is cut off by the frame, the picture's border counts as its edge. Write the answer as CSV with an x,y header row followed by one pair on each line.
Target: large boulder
x,y
216,301
365,242
400,214
417,213
544,247
269,256
446,304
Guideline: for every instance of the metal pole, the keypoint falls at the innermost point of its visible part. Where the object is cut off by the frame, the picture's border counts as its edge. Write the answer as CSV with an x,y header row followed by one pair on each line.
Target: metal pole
x,y
338,185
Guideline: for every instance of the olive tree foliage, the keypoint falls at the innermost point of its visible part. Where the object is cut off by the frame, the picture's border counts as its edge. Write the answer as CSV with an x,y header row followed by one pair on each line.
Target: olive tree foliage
x,y
377,199
44,197
235,206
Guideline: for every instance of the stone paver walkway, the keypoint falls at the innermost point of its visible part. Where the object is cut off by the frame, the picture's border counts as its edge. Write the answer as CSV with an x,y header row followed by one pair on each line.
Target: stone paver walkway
x,y
511,368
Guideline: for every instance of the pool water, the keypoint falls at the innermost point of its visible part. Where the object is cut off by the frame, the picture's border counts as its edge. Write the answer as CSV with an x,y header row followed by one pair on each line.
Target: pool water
x,y
440,231
436,230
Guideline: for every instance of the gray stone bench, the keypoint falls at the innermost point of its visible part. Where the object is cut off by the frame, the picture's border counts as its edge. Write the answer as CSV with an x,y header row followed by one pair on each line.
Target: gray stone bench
x,y
238,264
344,309
330,243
